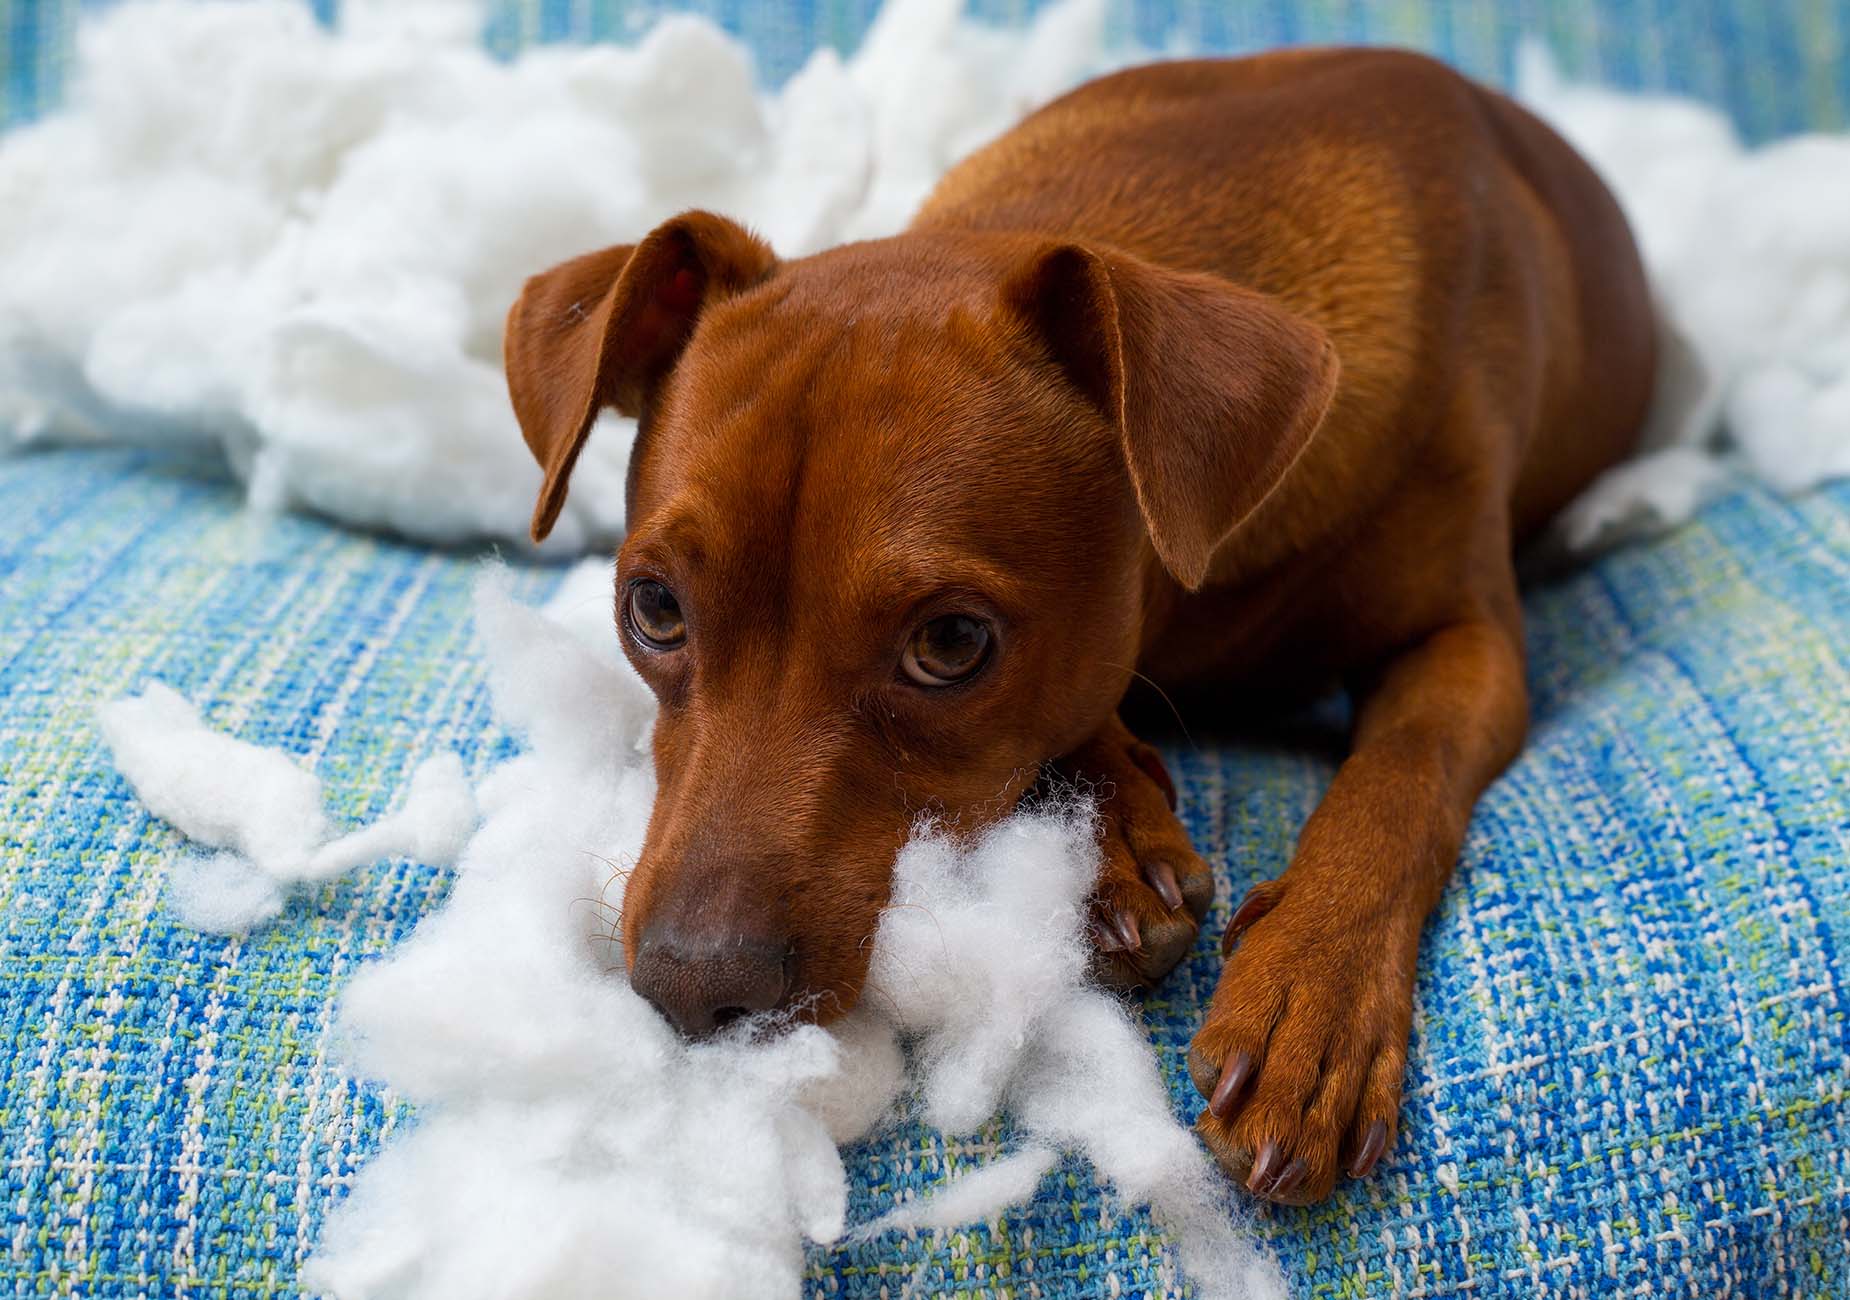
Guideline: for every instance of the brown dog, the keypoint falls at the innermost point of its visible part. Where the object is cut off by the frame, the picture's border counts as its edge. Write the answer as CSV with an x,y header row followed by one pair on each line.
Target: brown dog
x,y
1247,373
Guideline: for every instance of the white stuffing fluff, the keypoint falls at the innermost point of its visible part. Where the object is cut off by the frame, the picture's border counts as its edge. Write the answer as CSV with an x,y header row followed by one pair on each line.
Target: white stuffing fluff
x,y
222,893
569,1143
1749,255
256,802
221,792
302,244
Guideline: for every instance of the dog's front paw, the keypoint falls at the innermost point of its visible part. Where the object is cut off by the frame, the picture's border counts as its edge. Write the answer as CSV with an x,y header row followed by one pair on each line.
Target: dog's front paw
x,y
1303,1049
1147,907
1153,889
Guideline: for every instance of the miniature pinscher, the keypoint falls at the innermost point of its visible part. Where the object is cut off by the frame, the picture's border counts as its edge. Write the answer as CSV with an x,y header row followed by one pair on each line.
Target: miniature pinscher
x,y
1231,374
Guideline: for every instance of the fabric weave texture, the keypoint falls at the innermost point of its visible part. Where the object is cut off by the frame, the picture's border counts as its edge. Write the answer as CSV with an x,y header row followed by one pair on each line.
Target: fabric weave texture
x,y
1629,1065
1628,1071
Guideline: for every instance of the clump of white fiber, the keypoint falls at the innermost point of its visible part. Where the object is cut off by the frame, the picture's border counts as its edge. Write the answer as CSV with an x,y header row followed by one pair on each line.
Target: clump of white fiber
x,y
257,803
301,244
324,230
1749,255
570,1145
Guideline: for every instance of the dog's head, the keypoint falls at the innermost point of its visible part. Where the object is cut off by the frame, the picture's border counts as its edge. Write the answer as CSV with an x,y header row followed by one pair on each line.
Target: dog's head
x,y
896,513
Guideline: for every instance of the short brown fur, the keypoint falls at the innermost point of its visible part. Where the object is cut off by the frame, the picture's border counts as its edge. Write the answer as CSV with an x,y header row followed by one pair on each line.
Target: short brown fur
x,y
1237,374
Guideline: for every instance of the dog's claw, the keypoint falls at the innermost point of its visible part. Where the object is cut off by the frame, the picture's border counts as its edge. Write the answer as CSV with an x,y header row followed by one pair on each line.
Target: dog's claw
x,y
1287,1182
1233,1081
1372,1147
1162,878
1117,931
1266,1168
1259,900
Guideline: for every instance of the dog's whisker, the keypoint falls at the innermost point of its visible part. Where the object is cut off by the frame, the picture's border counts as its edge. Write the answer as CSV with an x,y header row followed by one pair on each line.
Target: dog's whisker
x,y
892,1007
597,902
1163,694
617,868
939,925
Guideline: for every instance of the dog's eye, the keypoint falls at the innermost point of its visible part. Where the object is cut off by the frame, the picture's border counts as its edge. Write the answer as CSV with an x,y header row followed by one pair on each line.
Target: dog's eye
x,y
655,615
946,650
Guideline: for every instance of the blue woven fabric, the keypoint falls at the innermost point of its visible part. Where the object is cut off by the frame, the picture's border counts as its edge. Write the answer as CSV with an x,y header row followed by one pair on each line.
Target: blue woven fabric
x,y
1629,1065
1776,67
1629,1068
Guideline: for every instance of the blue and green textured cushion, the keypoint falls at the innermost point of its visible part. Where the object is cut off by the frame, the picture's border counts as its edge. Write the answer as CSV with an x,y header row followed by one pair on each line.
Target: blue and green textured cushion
x,y
1629,1064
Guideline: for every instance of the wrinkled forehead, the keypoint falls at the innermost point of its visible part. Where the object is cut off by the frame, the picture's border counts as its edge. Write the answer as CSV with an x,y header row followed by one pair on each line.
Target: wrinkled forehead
x,y
879,456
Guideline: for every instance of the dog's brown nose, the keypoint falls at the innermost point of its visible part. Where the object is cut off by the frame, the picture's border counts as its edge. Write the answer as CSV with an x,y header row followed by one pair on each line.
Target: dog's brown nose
x,y
702,984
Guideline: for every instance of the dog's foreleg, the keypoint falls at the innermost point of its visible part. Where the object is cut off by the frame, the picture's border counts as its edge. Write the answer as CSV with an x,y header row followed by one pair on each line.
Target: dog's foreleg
x,y
1303,1049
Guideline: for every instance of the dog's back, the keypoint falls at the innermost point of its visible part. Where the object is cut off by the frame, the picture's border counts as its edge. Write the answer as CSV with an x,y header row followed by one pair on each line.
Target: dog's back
x,y
1446,240
1496,342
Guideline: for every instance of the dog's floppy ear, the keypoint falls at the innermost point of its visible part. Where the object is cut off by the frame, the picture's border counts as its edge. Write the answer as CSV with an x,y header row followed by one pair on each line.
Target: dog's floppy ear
x,y
602,329
1214,390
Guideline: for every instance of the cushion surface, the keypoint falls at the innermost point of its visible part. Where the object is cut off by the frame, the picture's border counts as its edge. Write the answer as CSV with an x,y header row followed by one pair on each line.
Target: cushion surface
x,y
1628,1071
